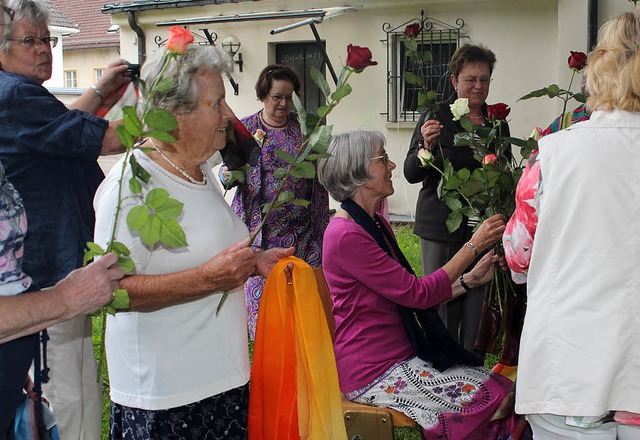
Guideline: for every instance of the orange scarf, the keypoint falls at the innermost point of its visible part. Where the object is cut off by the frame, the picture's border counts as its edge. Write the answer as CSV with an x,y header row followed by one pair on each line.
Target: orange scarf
x,y
294,381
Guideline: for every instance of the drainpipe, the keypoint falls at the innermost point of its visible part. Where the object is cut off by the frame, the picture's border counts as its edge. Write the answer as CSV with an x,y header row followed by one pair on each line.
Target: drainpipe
x,y
142,44
592,24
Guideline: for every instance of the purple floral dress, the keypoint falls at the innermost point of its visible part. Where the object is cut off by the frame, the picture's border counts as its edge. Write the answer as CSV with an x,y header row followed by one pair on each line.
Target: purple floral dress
x,y
290,225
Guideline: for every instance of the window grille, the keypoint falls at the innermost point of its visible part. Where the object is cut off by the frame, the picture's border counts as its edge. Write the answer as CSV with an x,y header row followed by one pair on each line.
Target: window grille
x,y
439,39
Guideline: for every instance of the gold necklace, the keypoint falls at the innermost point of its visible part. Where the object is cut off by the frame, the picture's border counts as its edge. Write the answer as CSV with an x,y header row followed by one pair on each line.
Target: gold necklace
x,y
180,170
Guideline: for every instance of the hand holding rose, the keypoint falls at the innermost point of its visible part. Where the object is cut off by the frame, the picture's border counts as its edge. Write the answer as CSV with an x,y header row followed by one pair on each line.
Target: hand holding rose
x,y
430,132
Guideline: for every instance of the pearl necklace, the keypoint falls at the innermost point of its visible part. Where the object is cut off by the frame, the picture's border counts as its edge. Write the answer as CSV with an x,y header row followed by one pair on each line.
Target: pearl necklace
x,y
180,170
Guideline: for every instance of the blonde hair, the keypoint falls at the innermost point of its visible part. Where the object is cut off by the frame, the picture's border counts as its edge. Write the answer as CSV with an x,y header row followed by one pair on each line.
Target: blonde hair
x,y
613,69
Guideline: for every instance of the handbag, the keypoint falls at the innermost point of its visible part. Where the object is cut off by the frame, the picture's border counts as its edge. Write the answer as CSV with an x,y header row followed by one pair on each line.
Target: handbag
x,y
26,422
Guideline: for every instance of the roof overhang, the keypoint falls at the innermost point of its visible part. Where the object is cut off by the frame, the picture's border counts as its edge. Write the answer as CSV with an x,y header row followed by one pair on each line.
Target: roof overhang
x,y
145,5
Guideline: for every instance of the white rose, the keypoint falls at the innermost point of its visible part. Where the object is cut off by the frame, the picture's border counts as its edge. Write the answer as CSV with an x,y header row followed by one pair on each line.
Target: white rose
x,y
425,157
459,108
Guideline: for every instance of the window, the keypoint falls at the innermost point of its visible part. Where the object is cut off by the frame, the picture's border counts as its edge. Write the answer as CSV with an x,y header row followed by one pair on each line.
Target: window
x,y
441,42
70,78
301,57
97,74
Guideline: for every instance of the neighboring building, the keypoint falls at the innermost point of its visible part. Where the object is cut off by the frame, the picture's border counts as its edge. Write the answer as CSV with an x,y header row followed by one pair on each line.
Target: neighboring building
x,y
87,51
531,39
60,26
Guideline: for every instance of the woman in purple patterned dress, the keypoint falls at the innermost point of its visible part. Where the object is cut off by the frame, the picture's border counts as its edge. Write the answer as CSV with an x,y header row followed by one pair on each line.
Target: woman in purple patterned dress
x,y
276,128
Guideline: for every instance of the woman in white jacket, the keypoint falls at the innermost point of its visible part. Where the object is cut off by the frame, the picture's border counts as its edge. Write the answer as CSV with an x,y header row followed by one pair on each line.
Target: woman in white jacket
x,y
575,235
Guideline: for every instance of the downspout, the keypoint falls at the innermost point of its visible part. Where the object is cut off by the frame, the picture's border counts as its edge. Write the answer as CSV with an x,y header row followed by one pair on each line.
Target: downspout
x,y
592,24
142,43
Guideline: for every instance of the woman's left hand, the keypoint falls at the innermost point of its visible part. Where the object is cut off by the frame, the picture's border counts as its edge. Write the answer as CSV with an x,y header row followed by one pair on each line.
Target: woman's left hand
x,y
267,259
482,273
114,76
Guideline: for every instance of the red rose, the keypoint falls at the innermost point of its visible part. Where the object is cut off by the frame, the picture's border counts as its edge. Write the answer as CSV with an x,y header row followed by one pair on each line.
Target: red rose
x,y
359,57
179,39
498,112
577,60
412,30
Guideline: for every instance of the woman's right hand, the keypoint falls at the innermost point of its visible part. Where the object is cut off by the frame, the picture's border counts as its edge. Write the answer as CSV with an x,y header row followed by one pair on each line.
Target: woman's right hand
x,y
489,232
430,131
228,269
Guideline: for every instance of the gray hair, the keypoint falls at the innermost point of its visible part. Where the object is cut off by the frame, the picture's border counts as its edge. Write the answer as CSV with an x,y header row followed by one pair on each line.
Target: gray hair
x,y
34,12
185,92
348,167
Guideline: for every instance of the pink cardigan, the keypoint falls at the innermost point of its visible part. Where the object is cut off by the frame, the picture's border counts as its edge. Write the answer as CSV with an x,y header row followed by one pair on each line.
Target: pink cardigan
x,y
366,286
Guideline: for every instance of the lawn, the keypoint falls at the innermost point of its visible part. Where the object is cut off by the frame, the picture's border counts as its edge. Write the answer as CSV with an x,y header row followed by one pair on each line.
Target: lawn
x,y
409,244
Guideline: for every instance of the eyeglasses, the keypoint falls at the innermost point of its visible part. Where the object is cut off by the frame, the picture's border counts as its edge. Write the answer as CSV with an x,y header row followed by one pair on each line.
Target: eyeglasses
x,y
384,158
31,42
279,98
472,80
8,12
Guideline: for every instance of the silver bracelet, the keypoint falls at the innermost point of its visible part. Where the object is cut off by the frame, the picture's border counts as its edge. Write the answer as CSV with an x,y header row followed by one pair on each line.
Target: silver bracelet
x,y
98,91
472,247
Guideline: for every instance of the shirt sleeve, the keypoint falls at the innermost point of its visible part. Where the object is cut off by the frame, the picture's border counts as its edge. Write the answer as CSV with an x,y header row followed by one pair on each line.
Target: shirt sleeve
x,y
40,124
362,259
521,229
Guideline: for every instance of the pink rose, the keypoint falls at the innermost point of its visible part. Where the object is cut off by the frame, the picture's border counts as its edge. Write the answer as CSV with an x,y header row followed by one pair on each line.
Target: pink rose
x,y
489,159
179,39
577,60
498,112
359,57
412,30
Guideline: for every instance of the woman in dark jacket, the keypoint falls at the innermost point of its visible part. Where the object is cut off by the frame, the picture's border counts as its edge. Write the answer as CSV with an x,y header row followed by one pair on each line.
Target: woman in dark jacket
x,y
471,68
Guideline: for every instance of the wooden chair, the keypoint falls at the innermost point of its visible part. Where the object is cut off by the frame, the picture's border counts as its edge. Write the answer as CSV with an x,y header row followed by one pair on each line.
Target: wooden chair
x,y
362,421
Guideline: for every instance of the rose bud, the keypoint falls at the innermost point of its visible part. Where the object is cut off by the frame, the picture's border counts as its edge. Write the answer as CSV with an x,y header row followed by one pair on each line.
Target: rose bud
x,y
577,60
413,30
425,157
489,159
179,39
359,57
498,112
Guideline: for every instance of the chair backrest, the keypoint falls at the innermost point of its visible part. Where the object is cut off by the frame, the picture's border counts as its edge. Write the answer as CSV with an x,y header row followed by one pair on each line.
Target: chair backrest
x,y
325,296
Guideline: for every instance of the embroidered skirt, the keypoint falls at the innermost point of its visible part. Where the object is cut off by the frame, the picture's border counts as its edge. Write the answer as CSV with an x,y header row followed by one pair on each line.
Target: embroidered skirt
x,y
455,404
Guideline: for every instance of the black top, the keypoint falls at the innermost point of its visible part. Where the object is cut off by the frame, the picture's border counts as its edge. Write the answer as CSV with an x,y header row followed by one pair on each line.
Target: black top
x,y
431,212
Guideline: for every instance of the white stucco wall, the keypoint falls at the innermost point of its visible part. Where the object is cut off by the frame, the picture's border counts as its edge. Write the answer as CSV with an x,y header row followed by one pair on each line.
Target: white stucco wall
x,y
531,39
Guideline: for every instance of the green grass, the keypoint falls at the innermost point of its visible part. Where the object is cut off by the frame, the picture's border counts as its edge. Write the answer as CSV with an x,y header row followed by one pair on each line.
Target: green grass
x,y
410,245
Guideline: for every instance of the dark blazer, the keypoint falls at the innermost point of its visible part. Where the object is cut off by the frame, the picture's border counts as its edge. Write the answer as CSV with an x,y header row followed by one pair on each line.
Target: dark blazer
x,y
431,212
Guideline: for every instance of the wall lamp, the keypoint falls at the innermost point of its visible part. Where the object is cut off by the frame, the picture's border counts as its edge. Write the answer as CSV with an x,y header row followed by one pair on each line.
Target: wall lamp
x,y
231,44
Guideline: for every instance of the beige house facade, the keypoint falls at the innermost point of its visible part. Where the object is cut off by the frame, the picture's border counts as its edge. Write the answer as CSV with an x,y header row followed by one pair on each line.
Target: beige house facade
x,y
531,39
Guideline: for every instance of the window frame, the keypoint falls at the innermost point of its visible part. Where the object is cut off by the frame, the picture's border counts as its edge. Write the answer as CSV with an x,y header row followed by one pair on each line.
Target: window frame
x,y
73,79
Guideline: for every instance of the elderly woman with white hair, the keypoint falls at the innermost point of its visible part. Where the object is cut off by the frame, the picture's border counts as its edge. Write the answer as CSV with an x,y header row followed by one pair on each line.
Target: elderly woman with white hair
x,y
384,357
175,366
575,239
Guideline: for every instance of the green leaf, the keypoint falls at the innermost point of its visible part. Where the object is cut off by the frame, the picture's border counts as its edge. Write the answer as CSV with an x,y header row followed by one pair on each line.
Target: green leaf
x,y
92,251
126,264
453,221
302,114
452,182
432,95
535,94
312,122
422,99
124,136
411,44
285,156
134,185
279,173
343,90
316,156
412,78
150,232
304,170
161,119
471,188
165,83
286,196
452,202
515,141
120,249
137,170
320,139
120,300
161,136
461,140
466,123
448,170
169,210
320,81
137,217
553,90
110,309
580,97
172,234
464,174
156,198
426,56
131,121
301,202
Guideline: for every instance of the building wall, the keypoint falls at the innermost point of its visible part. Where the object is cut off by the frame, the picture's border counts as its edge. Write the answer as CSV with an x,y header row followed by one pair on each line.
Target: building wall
x,y
531,40
84,61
